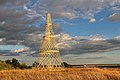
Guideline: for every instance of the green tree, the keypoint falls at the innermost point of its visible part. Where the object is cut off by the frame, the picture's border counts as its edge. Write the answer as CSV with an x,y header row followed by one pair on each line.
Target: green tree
x,y
35,64
15,63
23,66
66,64
8,61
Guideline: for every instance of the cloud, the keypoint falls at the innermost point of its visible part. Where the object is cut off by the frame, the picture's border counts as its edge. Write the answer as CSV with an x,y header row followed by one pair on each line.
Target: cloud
x,y
15,24
71,9
6,1
20,23
118,38
101,19
116,8
93,58
82,45
96,37
2,23
92,20
114,17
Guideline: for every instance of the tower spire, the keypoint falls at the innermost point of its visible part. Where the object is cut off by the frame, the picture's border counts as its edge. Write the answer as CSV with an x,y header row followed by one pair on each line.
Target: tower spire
x,y
49,53
49,19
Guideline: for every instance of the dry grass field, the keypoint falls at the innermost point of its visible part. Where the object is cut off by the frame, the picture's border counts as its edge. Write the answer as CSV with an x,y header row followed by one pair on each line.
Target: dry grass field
x,y
68,74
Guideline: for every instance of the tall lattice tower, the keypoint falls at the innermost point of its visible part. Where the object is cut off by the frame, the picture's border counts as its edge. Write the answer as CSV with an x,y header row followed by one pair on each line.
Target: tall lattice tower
x,y
49,53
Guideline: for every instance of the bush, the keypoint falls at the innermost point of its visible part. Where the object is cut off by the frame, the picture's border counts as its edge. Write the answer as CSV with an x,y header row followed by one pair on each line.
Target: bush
x,y
5,66
66,64
12,64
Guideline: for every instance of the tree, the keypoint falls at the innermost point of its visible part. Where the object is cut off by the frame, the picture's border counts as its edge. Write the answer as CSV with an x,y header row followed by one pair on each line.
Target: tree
x,y
66,64
8,61
23,66
35,64
15,63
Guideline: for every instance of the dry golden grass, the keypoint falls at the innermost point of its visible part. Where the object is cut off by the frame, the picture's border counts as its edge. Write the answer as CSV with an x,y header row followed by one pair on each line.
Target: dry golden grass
x,y
68,74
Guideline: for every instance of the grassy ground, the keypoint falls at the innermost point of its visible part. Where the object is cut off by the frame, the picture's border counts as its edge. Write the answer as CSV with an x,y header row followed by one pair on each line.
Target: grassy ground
x,y
68,74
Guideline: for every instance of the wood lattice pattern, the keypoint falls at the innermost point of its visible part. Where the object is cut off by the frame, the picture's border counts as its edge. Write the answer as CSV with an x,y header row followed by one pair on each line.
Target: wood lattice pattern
x,y
49,53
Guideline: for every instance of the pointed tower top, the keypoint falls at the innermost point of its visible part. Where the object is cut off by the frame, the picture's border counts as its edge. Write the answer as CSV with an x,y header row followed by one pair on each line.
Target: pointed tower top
x,y
48,19
49,59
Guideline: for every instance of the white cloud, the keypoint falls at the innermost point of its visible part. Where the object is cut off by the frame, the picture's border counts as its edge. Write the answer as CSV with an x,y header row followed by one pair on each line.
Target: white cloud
x,y
66,41
96,37
92,20
118,37
65,37
2,23
26,8
116,8
33,14
101,19
2,39
20,50
113,15
67,15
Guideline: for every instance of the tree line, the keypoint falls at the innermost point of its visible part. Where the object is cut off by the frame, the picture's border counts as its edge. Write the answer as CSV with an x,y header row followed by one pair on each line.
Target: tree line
x,y
15,64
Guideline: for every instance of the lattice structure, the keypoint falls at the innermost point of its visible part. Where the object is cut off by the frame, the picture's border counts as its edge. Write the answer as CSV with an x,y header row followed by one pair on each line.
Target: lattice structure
x,y
49,53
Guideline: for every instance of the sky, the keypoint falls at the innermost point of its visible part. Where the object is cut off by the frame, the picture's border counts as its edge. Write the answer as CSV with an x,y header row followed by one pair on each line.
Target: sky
x,y
82,28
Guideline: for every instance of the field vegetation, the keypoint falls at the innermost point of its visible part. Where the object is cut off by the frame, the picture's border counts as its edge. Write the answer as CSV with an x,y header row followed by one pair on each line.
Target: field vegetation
x,y
14,70
67,74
